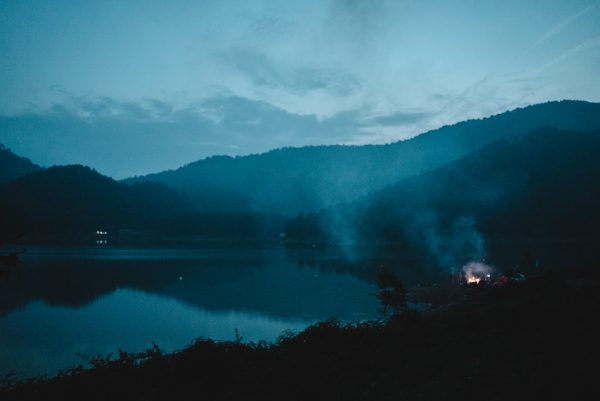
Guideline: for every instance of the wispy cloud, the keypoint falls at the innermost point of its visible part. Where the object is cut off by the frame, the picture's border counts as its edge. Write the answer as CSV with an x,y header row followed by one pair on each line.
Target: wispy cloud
x,y
586,44
191,79
400,118
122,138
562,25
264,71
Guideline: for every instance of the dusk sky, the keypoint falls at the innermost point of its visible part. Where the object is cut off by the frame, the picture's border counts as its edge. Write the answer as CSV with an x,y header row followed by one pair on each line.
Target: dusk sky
x,y
131,87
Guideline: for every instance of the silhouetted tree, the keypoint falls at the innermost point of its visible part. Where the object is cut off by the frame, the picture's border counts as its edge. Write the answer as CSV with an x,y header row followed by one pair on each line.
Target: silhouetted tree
x,y
391,294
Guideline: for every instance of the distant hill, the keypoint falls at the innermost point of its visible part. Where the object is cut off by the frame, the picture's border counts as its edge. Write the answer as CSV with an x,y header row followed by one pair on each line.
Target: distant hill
x,y
13,166
291,180
69,203
76,199
539,186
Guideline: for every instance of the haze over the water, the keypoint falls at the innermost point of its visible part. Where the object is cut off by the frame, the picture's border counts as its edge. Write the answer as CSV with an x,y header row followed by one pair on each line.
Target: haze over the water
x,y
136,87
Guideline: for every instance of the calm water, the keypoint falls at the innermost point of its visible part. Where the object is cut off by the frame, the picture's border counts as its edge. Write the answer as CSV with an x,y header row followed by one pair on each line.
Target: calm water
x,y
60,304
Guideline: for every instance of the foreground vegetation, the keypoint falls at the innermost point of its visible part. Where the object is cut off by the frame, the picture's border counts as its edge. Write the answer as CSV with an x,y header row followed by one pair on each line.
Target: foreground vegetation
x,y
535,339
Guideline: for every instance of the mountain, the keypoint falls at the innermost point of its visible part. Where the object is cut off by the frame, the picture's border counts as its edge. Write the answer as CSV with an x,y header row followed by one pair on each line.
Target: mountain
x,y
76,199
73,202
13,166
542,186
291,180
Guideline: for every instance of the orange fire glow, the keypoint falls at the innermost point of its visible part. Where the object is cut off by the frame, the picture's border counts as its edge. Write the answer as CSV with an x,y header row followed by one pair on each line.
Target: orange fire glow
x,y
476,273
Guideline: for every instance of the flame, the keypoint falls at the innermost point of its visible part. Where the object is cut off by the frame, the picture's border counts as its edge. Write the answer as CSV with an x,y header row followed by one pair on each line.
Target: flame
x,y
475,271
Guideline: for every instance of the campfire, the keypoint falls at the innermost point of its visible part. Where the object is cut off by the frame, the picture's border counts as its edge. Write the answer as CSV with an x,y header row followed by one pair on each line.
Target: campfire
x,y
476,272
479,273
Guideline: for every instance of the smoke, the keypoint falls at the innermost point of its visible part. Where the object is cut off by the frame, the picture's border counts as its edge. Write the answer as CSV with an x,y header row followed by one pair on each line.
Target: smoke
x,y
476,271
445,242
341,228
450,246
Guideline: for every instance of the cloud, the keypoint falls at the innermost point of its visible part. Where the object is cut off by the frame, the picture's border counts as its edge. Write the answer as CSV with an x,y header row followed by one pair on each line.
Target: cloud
x,y
184,81
265,71
270,27
106,107
361,21
562,25
121,138
401,118
590,43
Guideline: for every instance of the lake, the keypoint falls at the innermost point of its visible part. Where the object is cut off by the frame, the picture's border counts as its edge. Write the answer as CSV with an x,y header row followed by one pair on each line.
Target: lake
x,y
60,305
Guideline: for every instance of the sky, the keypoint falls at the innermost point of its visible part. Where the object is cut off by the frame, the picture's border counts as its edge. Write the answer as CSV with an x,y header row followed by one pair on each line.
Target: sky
x,y
132,87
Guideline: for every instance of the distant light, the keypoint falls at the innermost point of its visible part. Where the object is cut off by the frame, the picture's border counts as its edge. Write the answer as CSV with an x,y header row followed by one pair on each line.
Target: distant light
x,y
180,278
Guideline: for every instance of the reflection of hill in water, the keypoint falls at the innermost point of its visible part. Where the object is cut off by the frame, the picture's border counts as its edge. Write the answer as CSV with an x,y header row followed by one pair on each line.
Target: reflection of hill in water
x,y
363,262
261,281
317,282
415,267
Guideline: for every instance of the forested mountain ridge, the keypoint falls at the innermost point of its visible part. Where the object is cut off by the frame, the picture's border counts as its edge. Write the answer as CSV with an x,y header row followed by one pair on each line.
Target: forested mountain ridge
x,y
290,180
494,186
71,203
13,166
76,199
542,185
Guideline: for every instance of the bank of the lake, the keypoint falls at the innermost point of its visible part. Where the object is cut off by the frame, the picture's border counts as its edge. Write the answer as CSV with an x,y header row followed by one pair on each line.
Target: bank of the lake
x,y
530,340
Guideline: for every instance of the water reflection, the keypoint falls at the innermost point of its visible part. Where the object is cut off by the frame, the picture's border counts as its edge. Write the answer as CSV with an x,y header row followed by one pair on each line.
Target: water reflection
x,y
62,302
264,281
41,339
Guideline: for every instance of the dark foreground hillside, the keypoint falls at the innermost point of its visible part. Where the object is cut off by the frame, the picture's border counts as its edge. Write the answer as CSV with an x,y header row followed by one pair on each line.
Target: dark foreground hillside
x,y
536,339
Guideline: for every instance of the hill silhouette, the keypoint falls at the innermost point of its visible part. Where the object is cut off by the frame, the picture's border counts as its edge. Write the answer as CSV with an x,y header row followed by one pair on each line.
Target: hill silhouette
x,y
13,166
539,186
73,202
76,199
530,180
291,180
